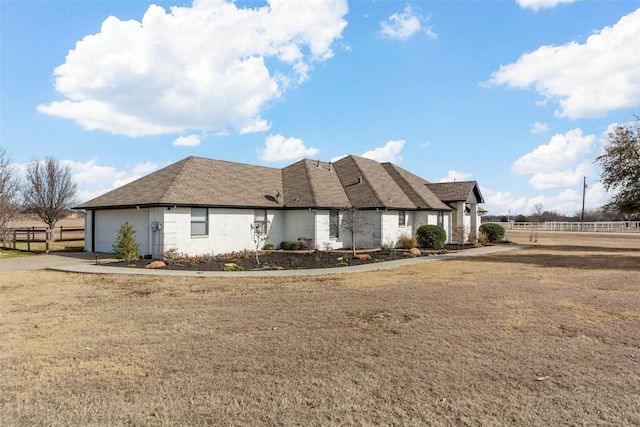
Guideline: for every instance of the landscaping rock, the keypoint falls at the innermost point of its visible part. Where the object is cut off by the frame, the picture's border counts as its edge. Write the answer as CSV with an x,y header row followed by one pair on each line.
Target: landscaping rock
x,y
363,256
415,251
156,264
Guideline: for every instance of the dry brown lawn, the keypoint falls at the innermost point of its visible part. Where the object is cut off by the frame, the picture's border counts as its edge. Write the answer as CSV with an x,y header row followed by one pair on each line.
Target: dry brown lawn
x,y
548,335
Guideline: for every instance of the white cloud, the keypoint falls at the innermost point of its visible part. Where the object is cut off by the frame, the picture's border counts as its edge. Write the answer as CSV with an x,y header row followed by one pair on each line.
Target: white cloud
x,y
144,168
561,179
586,80
278,148
93,179
187,141
500,203
390,152
403,25
541,4
561,152
455,176
202,67
539,128
566,202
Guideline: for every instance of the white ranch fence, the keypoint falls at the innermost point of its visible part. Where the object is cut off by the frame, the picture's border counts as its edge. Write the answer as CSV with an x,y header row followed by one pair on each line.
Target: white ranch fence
x,y
600,226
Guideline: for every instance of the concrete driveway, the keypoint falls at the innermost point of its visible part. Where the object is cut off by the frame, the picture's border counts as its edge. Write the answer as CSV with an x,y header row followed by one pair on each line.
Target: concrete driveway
x,y
84,262
51,260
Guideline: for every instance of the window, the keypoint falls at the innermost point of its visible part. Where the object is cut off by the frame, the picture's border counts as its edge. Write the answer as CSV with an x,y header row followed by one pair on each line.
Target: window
x,y
441,219
199,221
260,221
334,225
402,218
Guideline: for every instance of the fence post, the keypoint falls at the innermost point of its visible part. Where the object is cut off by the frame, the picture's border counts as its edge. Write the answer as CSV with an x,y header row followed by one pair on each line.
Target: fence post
x,y
29,238
60,232
14,238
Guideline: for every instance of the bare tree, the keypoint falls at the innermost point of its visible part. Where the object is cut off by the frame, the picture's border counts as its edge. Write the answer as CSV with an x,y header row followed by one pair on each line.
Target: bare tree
x,y
9,190
355,221
49,192
462,234
260,231
538,211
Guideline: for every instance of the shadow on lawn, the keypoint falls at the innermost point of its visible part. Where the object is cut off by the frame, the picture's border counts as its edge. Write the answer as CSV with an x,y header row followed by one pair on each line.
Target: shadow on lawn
x,y
569,257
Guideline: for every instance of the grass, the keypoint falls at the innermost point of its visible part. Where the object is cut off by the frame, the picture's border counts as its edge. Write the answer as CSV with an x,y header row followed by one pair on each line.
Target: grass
x,y
528,337
9,253
53,246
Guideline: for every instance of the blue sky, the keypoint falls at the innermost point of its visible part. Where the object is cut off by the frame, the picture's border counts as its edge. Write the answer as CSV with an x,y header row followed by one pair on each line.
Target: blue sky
x,y
517,95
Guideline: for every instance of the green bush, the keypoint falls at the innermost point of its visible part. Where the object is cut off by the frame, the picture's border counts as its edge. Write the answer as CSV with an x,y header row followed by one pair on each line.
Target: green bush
x,y
431,236
290,246
268,247
126,247
494,232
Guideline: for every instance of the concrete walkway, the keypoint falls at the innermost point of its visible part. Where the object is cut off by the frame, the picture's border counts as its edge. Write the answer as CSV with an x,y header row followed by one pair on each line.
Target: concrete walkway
x,y
85,262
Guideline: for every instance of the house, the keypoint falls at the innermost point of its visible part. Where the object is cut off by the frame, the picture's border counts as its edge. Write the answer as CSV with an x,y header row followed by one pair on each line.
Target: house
x,y
205,206
463,197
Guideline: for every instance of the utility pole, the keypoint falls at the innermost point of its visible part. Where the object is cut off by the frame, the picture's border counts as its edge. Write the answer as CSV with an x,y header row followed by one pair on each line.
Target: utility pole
x,y
584,192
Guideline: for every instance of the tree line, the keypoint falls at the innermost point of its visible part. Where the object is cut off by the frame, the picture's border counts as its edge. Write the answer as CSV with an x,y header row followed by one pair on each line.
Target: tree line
x,y
47,190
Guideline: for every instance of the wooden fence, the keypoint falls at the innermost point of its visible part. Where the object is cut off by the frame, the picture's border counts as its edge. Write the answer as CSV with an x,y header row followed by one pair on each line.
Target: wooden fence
x,y
599,226
44,235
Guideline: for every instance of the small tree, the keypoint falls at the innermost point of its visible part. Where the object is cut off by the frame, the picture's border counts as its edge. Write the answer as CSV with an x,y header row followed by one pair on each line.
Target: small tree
x,y
126,247
355,221
9,190
620,164
49,191
538,207
260,231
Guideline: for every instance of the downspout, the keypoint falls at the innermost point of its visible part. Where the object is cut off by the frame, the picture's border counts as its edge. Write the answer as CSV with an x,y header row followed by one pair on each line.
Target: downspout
x,y
315,229
93,230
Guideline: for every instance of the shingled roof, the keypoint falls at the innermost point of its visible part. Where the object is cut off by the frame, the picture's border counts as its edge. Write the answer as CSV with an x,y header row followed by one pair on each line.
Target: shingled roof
x,y
349,182
310,183
415,188
456,191
196,181
368,185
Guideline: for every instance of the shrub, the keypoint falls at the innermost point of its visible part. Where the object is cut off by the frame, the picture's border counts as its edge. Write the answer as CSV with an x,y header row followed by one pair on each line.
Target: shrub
x,y
233,267
126,247
407,242
268,247
431,236
494,232
483,239
171,256
290,246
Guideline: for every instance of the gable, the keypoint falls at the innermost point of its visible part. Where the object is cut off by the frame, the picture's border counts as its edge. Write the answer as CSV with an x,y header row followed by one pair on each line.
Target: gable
x,y
461,191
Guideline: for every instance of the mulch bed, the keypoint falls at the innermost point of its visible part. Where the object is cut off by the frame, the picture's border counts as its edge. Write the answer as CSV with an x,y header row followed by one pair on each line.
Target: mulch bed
x,y
284,260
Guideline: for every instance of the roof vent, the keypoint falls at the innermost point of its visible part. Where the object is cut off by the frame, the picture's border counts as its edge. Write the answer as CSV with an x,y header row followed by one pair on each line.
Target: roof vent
x,y
359,180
